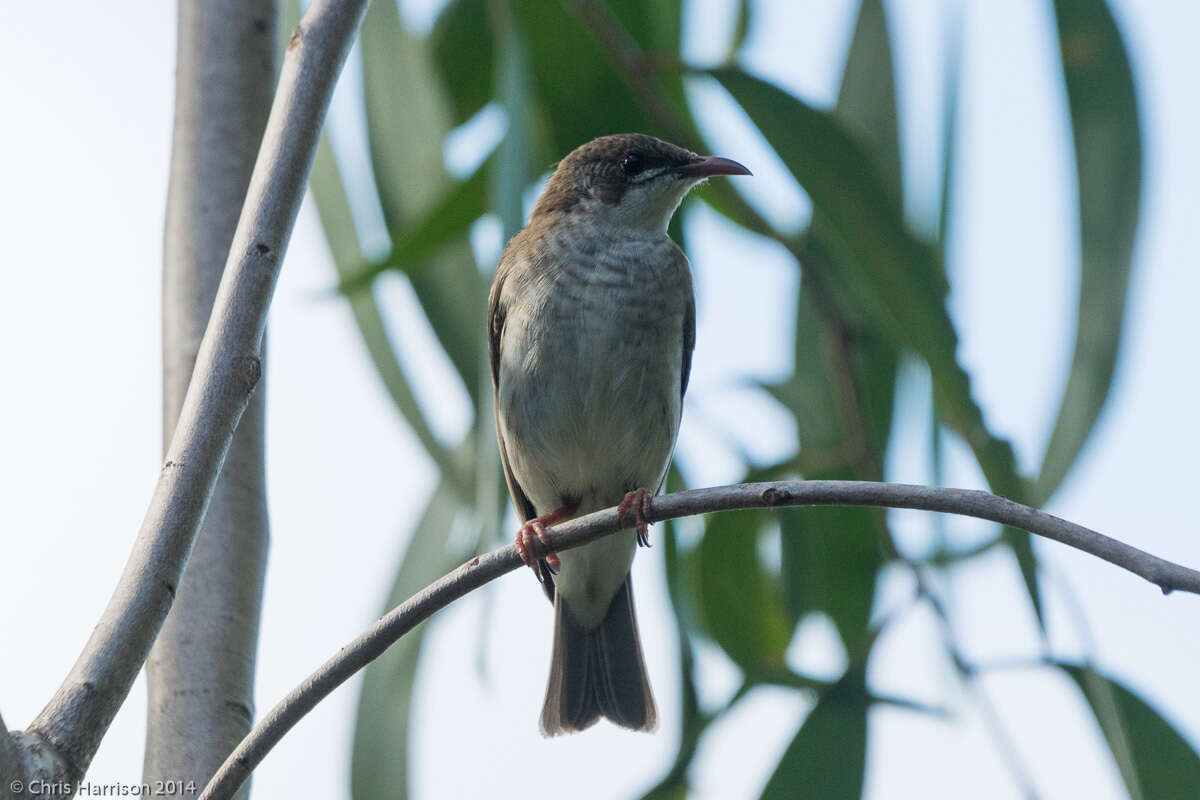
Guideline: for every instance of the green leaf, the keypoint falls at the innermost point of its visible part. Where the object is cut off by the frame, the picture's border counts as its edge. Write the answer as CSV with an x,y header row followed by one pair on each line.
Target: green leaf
x,y
513,169
408,116
830,556
1108,166
1156,762
896,279
446,222
580,92
333,208
741,27
328,191
693,722
843,383
860,362
828,756
462,47
866,102
951,73
742,607
379,766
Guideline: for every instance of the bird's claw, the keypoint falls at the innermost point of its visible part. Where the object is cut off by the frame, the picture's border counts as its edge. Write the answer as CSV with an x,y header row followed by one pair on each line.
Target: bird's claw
x,y
526,547
639,500
536,529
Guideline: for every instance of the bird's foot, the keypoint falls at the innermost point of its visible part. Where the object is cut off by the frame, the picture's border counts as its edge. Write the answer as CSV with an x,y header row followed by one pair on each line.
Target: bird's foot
x,y
639,500
535,529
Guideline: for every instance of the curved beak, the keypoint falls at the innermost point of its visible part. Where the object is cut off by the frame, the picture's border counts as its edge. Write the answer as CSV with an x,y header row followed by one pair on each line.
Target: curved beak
x,y
712,165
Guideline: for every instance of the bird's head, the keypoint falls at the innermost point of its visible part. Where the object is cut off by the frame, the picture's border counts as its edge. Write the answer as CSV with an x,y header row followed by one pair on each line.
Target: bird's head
x,y
628,180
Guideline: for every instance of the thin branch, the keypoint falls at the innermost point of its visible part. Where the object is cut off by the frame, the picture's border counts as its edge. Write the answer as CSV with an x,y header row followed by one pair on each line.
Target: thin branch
x,y
576,532
227,370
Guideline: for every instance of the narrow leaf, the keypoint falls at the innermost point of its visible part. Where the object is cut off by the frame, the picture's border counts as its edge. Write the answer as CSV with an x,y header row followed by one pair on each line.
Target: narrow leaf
x,y
1108,166
580,90
743,609
896,279
741,27
462,46
336,220
830,556
408,116
693,723
1155,760
828,756
446,222
513,168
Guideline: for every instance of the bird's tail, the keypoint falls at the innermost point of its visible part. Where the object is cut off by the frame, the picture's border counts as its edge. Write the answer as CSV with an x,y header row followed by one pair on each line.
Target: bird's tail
x,y
598,672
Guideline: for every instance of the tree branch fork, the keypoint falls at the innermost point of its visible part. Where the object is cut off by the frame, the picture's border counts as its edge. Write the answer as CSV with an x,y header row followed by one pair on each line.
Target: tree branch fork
x,y
484,568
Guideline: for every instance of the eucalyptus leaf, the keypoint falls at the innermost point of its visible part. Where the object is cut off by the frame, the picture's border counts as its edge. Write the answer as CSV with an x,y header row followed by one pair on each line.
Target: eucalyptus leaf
x,y
742,607
827,758
1155,760
1108,167
580,90
830,556
895,278
447,221
329,193
463,49
845,373
741,27
513,168
408,117
692,723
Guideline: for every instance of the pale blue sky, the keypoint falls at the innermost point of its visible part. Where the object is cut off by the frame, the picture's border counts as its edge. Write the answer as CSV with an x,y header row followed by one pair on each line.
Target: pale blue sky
x,y
89,104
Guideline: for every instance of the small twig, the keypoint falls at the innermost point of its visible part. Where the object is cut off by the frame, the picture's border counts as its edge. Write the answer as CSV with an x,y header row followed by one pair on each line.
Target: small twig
x,y
227,370
969,673
573,533
1004,742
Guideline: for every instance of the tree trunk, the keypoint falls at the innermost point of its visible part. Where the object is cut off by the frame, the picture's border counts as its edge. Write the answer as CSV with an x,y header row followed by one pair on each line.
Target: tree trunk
x,y
201,670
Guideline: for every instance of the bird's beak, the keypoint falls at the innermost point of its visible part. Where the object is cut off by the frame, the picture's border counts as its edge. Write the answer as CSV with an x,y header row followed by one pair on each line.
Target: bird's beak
x,y
712,165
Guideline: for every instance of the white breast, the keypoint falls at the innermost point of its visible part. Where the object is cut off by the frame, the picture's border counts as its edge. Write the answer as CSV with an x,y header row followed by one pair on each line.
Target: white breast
x,y
591,363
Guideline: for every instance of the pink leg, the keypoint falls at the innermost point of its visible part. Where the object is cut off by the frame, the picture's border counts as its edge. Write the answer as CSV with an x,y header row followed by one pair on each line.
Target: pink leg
x,y
536,528
639,500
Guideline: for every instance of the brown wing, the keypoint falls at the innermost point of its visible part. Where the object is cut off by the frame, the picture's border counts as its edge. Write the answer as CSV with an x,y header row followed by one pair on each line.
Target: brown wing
x,y
496,315
689,342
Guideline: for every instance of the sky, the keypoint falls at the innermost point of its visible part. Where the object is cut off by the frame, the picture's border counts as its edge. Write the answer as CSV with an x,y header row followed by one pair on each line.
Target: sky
x,y
88,138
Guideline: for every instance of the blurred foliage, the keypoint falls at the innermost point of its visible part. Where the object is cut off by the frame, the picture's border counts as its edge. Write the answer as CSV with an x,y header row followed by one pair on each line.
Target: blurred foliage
x,y
873,291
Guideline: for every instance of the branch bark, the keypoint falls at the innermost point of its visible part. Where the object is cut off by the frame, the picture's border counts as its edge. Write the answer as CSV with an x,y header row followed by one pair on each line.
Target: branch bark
x,y
201,669
482,569
227,370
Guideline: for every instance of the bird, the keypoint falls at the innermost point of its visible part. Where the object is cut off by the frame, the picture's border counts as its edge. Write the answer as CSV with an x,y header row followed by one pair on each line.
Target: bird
x,y
591,327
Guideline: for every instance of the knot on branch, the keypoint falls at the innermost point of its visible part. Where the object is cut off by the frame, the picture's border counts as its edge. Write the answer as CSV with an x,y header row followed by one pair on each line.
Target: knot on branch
x,y
248,369
773,496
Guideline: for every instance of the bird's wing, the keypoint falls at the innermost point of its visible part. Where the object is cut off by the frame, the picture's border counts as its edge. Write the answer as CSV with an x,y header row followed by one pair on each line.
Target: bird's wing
x,y
689,325
689,343
496,315
689,340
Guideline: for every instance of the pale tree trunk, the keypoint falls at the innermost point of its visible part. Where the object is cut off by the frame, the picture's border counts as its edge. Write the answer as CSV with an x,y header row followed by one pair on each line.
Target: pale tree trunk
x,y
201,670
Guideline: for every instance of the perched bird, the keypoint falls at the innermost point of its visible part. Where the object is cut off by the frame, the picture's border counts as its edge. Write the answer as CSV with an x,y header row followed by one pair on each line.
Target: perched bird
x,y
591,324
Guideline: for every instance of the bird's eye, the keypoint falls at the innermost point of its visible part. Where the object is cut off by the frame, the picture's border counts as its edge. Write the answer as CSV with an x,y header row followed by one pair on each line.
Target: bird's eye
x,y
632,164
